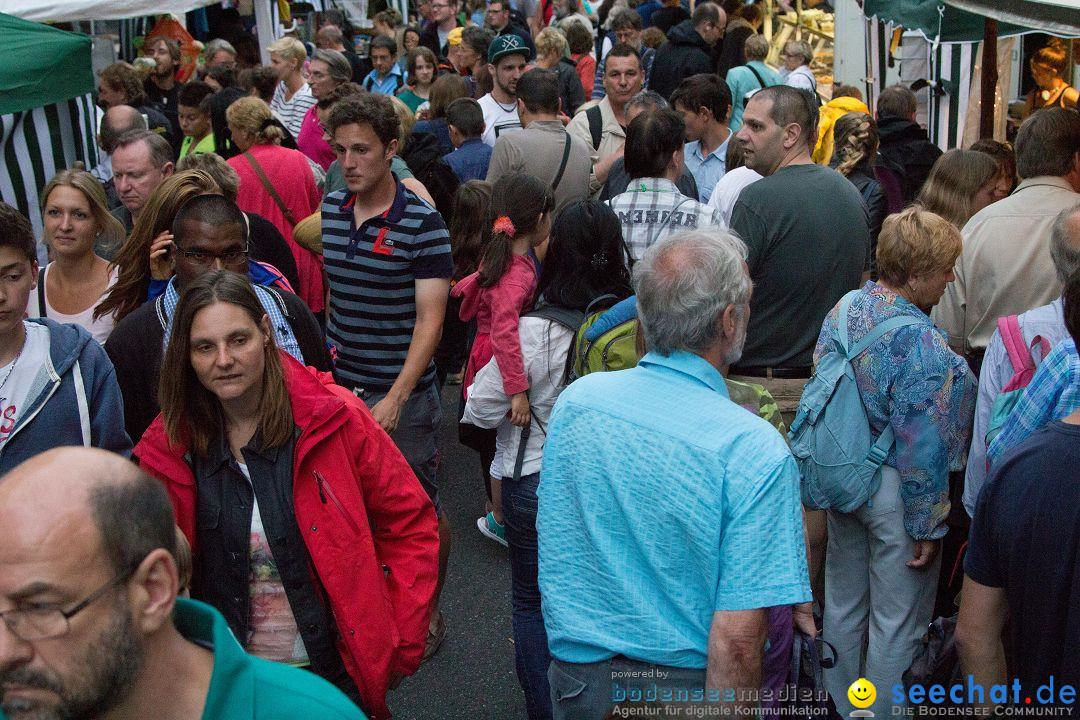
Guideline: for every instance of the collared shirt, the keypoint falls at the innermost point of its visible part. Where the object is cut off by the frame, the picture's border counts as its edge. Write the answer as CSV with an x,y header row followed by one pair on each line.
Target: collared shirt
x,y
243,687
1047,322
386,85
470,161
911,380
707,170
1005,268
1054,393
612,136
283,332
372,272
653,208
662,502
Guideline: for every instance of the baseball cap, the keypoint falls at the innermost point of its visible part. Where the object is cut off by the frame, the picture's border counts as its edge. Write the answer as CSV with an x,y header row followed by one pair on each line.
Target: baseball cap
x,y
504,45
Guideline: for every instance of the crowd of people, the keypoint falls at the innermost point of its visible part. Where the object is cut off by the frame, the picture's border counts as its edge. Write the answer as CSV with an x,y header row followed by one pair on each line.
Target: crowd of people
x,y
628,265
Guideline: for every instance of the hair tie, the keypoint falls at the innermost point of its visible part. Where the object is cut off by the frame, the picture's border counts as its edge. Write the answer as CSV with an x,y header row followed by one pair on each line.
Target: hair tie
x,y
504,225
599,260
267,123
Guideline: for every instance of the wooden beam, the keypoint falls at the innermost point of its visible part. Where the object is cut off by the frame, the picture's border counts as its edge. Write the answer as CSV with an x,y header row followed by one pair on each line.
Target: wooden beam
x,y
989,78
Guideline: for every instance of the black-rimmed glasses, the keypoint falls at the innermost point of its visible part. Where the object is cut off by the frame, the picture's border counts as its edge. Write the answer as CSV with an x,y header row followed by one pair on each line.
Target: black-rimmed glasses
x,y
200,257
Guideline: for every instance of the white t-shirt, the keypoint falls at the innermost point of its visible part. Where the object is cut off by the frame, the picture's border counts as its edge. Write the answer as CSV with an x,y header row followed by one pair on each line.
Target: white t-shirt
x,y
99,329
23,369
272,634
727,190
497,119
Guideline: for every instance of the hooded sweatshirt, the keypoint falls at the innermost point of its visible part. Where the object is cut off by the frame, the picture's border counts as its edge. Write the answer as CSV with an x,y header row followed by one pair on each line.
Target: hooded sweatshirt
x,y
684,54
73,400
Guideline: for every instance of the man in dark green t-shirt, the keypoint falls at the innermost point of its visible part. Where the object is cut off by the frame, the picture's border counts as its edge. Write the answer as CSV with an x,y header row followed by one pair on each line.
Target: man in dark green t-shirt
x,y
90,622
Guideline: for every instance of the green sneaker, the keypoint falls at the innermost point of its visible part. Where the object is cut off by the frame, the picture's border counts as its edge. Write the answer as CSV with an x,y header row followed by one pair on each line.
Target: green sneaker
x,y
492,529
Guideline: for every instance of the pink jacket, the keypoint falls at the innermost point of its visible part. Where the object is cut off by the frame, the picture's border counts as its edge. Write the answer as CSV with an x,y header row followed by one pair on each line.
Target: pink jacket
x,y
497,310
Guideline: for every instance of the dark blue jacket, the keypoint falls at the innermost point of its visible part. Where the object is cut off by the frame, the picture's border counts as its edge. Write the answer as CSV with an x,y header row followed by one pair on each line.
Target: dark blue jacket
x,y
73,400
471,160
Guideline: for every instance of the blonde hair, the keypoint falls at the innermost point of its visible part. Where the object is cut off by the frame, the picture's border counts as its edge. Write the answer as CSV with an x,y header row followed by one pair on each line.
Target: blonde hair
x,y
289,48
111,230
253,116
183,563
551,41
953,181
855,138
406,119
915,243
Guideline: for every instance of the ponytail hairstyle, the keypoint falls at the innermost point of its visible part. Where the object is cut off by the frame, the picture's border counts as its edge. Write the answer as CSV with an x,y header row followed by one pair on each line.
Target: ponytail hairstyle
x,y
472,203
855,138
517,203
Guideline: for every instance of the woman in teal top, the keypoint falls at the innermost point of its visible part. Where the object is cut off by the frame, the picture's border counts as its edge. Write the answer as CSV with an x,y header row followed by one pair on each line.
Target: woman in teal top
x,y
421,75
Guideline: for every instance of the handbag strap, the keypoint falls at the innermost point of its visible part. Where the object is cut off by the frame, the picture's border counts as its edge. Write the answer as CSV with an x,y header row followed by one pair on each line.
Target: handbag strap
x,y
562,165
41,293
270,188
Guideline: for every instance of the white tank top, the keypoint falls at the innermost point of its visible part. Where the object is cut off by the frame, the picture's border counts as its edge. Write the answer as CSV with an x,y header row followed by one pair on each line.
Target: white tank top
x,y
99,328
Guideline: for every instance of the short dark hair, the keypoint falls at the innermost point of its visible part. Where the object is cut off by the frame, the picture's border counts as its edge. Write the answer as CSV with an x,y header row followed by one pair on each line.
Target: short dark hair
x,y
897,101
194,93
214,210
539,90
15,232
1047,143
479,39
134,518
792,106
578,37
368,109
704,91
621,50
262,79
467,116
1071,296
625,19
651,139
342,91
705,12
386,43
224,75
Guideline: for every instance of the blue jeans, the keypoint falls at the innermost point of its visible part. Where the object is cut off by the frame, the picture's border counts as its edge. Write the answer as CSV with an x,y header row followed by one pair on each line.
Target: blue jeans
x,y
530,639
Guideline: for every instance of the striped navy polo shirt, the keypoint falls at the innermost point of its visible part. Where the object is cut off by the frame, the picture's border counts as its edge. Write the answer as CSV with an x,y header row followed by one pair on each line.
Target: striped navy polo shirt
x,y
372,270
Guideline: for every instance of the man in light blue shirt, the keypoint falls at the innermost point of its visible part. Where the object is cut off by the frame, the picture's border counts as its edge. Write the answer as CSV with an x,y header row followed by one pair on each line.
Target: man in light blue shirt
x,y
669,517
705,104
386,78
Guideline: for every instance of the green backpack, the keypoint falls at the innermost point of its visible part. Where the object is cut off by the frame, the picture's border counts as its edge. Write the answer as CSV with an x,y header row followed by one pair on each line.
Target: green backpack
x,y
616,349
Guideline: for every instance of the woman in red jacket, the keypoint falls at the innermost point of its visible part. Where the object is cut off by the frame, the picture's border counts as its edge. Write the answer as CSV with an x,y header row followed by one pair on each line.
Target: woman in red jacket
x,y
309,532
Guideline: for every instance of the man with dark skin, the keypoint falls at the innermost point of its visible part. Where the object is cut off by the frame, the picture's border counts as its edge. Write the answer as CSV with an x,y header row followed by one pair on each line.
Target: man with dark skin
x,y
90,623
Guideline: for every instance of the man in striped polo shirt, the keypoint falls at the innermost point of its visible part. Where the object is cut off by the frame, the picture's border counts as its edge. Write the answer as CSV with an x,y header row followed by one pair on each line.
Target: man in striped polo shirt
x,y
388,265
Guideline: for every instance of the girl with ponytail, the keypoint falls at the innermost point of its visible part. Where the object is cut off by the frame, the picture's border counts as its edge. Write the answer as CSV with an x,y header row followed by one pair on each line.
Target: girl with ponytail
x,y
500,291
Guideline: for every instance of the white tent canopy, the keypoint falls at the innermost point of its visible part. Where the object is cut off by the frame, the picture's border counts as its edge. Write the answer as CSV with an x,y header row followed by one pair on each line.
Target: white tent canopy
x,y
75,10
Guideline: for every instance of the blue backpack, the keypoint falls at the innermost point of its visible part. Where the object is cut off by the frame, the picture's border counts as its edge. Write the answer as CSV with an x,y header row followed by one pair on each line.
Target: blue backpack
x,y
838,457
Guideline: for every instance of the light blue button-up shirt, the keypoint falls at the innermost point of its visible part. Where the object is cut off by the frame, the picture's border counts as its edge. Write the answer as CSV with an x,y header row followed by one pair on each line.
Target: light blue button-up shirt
x,y
707,171
660,503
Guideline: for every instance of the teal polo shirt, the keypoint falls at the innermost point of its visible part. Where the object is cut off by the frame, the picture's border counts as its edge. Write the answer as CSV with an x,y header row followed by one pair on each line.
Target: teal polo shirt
x,y
244,687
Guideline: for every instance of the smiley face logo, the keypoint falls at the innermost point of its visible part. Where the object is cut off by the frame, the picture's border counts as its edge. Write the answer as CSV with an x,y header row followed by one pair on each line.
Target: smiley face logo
x,y
862,693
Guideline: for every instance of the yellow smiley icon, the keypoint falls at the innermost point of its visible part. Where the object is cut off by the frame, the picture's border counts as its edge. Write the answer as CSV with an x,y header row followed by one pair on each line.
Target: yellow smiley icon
x,y
862,693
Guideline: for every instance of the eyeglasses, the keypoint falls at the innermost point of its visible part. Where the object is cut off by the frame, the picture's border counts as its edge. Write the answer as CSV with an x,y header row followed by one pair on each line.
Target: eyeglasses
x,y
207,258
46,623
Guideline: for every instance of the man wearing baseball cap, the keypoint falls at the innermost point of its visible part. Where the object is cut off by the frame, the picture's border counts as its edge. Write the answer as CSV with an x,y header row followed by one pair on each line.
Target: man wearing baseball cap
x,y
507,57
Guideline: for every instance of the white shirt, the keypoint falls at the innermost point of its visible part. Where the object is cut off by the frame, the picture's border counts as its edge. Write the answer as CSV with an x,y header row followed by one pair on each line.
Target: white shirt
x,y
497,119
99,329
17,377
727,190
544,345
291,112
801,78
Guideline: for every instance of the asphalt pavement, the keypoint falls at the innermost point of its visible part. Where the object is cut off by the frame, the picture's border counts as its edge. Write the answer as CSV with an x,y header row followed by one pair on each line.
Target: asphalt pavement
x,y
472,676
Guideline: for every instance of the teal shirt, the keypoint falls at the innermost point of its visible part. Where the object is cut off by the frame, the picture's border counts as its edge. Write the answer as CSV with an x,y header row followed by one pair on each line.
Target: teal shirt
x,y
244,687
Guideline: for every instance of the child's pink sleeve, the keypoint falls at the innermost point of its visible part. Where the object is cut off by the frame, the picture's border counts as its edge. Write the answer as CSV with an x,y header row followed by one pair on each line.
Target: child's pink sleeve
x,y
507,300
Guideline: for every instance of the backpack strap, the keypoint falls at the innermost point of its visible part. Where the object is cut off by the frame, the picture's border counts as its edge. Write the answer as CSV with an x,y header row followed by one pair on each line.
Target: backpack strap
x,y
596,125
569,319
41,293
562,165
897,321
1013,339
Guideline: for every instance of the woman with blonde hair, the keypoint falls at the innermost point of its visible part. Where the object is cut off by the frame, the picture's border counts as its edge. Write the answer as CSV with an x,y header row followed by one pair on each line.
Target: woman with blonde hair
x,y
960,184
77,222
292,97
145,261
552,53
277,183
877,603
855,147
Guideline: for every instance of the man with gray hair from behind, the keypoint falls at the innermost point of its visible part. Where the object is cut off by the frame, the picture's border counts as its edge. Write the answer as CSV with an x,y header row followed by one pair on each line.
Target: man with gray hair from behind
x,y
1041,329
662,504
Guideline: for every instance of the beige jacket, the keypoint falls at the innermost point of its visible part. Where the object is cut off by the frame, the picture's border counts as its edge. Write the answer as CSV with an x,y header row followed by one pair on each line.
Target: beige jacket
x,y
612,136
1005,267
